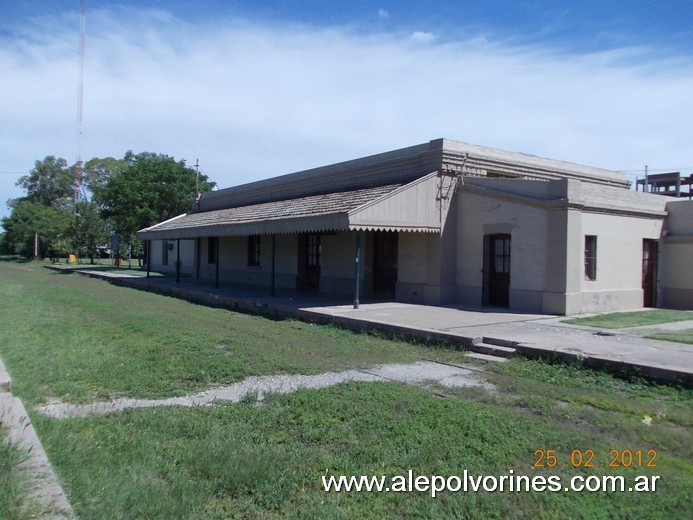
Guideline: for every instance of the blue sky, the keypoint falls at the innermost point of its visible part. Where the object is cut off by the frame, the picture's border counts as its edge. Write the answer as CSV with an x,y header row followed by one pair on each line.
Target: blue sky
x,y
258,89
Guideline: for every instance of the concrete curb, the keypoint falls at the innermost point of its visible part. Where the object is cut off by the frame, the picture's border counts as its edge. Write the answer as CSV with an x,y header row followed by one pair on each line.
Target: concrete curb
x,y
5,381
44,488
620,368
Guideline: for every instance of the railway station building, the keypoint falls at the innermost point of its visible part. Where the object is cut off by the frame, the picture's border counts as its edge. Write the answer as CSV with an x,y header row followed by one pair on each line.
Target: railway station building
x,y
441,223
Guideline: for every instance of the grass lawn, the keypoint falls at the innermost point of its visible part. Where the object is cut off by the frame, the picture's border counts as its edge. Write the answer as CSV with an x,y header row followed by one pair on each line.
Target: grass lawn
x,y
619,320
681,336
67,337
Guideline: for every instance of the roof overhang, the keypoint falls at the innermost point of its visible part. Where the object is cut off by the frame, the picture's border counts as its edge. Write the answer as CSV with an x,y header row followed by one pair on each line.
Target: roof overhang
x,y
413,207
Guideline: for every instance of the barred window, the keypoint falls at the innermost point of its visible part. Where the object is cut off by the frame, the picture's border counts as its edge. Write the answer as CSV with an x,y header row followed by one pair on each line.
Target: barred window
x,y
590,257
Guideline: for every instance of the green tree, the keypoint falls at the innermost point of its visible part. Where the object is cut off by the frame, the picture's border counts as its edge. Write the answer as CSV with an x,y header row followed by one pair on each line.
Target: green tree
x,y
45,210
151,188
50,224
88,228
50,183
98,171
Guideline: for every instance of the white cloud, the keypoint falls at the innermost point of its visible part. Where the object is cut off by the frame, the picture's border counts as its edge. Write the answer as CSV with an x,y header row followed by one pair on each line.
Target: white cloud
x,y
423,37
256,100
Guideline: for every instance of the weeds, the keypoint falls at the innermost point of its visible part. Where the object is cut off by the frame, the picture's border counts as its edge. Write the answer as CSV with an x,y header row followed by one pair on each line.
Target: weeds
x,y
76,339
14,501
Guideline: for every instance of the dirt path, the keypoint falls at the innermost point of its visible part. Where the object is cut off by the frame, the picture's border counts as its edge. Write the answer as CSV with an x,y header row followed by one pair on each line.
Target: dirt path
x,y
422,374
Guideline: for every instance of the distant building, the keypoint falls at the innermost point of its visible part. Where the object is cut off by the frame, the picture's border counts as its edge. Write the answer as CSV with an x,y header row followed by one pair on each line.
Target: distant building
x,y
671,184
445,222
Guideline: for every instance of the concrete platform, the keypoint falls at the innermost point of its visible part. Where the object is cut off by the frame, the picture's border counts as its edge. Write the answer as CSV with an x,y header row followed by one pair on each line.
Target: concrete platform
x,y
535,336
531,335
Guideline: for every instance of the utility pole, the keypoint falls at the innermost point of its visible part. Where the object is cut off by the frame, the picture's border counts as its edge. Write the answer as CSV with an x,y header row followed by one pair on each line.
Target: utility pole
x,y
197,180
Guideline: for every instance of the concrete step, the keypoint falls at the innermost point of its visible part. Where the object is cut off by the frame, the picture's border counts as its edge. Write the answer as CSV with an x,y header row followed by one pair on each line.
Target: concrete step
x,y
486,357
493,347
500,342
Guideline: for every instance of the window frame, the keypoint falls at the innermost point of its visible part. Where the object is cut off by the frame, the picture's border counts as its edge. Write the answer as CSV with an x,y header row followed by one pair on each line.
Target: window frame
x,y
313,250
254,250
591,258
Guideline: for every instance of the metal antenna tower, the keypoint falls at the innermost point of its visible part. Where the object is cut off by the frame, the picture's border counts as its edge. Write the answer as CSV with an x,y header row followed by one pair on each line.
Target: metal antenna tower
x,y
80,100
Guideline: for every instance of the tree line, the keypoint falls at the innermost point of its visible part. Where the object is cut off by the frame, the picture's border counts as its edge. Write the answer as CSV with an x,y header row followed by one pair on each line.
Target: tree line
x,y
57,217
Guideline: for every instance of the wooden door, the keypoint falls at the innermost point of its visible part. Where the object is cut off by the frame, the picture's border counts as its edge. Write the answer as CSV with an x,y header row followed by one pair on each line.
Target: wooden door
x,y
312,259
498,268
649,272
385,245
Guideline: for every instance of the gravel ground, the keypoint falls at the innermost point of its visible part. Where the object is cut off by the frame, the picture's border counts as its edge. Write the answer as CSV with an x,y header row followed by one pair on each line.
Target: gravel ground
x,y
422,374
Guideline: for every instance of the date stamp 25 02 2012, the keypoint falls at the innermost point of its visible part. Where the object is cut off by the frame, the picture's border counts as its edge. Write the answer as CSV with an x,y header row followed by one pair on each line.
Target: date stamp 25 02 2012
x,y
588,458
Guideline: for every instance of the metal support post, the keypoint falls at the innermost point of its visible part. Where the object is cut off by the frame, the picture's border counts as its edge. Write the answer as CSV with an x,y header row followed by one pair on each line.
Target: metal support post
x,y
274,254
178,260
357,271
216,262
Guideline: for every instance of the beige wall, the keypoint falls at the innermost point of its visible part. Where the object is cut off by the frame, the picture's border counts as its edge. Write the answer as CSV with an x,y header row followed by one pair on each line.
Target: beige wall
x,y
619,261
412,259
548,228
337,262
676,256
187,256
233,262
486,214
676,282
547,221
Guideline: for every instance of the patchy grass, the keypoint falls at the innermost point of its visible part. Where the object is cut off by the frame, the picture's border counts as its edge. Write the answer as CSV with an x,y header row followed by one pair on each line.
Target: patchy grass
x,y
79,339
680,336
268,461
14,501
619,320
